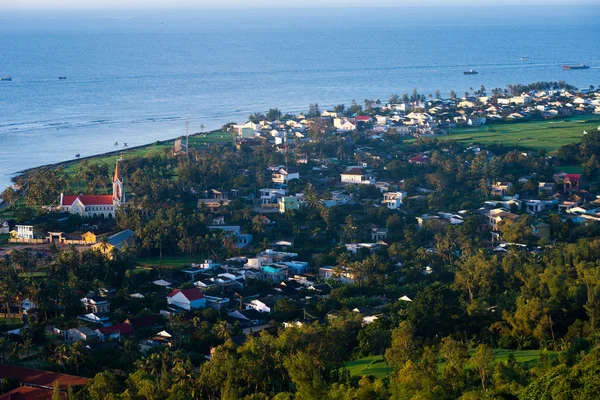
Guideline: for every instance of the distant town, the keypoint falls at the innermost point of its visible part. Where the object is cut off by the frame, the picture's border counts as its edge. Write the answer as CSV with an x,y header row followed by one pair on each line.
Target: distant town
x,y
378,249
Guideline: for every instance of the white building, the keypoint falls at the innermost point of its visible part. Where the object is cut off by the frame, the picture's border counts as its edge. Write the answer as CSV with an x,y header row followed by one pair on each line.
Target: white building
x,y
393,200
24,231
354,175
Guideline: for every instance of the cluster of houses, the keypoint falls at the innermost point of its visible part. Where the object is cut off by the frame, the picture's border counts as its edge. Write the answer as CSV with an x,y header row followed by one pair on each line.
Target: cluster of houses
x,y
563,196
431,116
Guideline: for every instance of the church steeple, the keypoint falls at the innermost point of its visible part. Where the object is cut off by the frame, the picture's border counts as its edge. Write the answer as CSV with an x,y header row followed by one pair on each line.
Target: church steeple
x,y
118,190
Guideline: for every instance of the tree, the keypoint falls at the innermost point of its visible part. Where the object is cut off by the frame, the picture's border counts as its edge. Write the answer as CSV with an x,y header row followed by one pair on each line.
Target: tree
x,y
435,311
482,360
10,196
452,95
56,393
313,110
394,99
404,346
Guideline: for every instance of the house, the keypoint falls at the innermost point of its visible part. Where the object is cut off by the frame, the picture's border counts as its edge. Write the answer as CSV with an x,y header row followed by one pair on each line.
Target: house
x,y
498,215
343,275
354,175
116,242
80,334
248,317
270,197
540,230
115,331
571,183
188,299
323,289
378,234
501,189
419,159
4,227
37,384
96,206
95,304
355,247
290,203
24,231
393,200
546,188
283,176
343,124
264,305
535,206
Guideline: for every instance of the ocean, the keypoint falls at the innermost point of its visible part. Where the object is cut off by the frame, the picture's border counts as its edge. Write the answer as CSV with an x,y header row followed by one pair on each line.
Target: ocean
x,y
133,78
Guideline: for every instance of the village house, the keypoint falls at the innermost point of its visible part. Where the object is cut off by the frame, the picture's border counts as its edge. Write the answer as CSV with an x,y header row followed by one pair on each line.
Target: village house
x,y
283,176
501,189
115,242
81,333
188,299
95,304
393,200
497,216
290,203
344,124
355,175
540,230
269,197
419,159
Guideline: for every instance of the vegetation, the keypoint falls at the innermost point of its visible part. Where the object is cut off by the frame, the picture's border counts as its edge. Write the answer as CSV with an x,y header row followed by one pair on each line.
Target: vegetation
x,y
480,322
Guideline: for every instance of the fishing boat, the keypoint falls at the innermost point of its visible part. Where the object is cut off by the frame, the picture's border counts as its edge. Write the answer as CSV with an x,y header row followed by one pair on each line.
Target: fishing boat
x,y
5,79
525,58
77,155
471,72
62,77
578,66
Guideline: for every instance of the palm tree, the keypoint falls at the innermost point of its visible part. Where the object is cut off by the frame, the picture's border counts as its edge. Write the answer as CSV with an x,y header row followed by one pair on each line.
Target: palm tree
x,y
222,330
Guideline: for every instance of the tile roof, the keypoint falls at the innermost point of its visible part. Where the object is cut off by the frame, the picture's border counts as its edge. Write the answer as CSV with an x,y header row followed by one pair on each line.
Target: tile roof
x,y
353,171
40,378
88,200
123,329
190,294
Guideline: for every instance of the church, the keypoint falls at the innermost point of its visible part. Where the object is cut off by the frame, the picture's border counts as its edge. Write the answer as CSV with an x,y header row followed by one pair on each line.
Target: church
x,y
96,206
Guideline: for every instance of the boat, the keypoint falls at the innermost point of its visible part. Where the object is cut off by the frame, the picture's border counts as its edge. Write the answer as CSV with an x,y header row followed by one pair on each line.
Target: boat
x,y
471,72
578,66
77,155
525,58
5,79
62,77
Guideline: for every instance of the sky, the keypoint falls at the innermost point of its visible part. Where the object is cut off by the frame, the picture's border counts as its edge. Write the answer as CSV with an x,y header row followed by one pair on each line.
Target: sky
x,y
38,5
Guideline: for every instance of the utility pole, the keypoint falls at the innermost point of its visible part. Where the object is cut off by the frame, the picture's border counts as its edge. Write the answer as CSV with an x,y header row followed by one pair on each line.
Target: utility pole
x,y
187,139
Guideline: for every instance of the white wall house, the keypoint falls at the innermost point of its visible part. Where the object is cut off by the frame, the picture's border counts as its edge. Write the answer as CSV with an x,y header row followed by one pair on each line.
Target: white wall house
x,y
24,231
188,299
393,200
354,175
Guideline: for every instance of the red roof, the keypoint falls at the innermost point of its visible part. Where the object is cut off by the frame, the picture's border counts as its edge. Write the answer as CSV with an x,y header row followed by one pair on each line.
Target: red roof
x,y
363,118
353,171
88,200
573,177
30,393
419,158
123,329
40,378
190,294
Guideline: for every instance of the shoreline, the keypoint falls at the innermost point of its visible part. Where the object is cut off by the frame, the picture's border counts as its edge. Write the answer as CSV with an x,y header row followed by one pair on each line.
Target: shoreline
x,y
26,171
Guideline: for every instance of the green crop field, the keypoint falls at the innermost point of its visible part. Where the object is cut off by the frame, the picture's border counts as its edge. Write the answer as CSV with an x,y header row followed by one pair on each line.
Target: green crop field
x,y
534,135
174,262
376,366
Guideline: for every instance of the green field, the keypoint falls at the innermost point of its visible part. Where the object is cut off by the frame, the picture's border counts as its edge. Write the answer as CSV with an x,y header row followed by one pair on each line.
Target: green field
x,y
196,141
174,263
376,366
534,135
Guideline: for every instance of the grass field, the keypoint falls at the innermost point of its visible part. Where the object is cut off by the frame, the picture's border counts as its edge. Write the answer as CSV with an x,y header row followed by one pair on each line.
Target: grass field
x,y
534,135
196,141
174,263
376,366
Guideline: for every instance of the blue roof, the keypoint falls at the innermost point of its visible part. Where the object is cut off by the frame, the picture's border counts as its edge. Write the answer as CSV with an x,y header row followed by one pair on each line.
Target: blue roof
x,y
119,240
